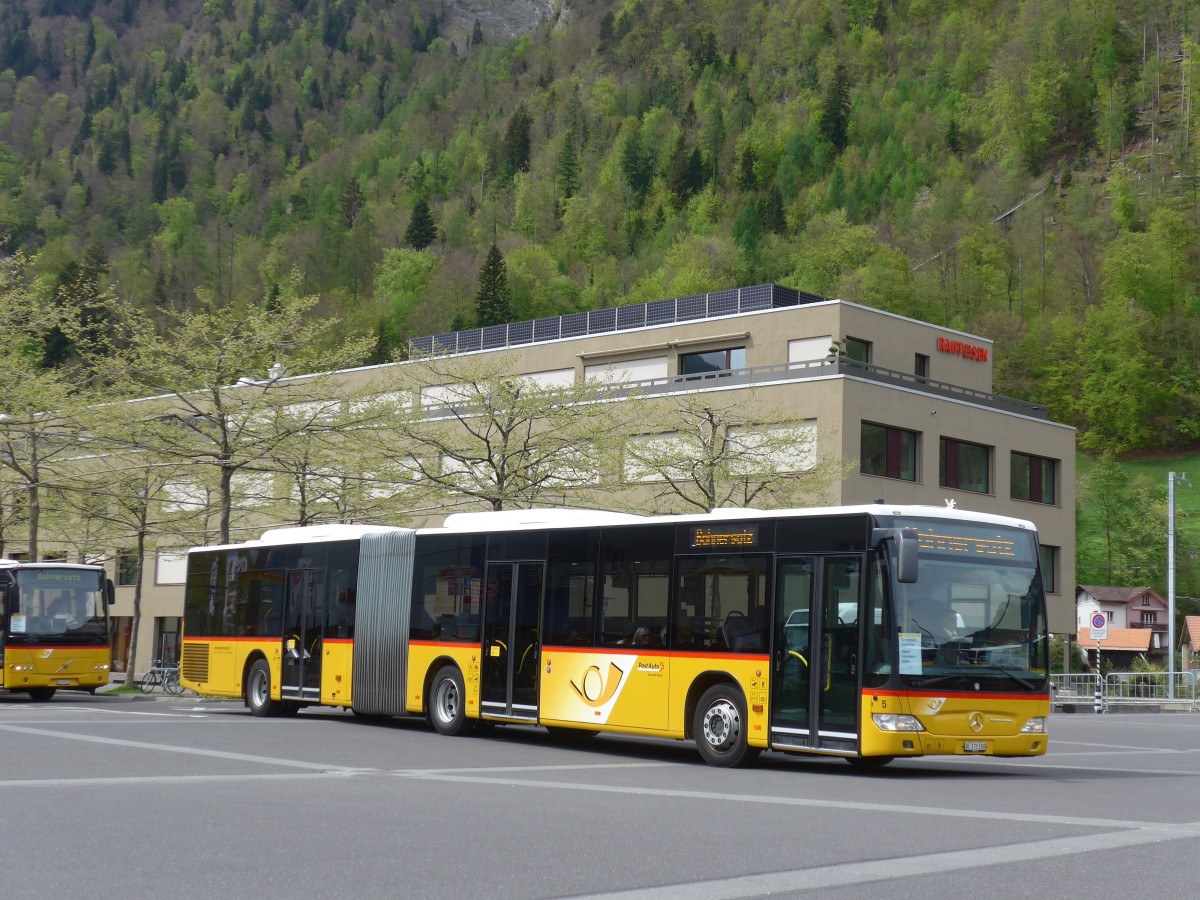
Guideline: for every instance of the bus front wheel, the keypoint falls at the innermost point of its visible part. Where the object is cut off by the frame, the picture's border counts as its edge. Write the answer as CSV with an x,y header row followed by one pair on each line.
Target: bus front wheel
x,y
258,690
447,703
41,694
719,728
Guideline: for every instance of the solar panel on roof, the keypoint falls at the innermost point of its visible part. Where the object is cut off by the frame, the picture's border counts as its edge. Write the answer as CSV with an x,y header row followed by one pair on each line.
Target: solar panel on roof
x,y
660,312
520,333
574,324
602,320
693,307
722,303
634,315
495,336
547,329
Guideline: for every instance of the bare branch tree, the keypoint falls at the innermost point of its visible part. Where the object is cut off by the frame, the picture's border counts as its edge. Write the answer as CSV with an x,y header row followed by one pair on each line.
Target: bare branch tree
x,y
707,450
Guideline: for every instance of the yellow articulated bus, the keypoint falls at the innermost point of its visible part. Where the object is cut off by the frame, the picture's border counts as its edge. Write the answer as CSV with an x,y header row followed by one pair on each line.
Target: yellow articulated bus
x,y
868,633
55,628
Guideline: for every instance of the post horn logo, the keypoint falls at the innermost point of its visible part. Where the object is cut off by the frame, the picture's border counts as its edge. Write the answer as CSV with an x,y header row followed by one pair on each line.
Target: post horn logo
x,y
594,689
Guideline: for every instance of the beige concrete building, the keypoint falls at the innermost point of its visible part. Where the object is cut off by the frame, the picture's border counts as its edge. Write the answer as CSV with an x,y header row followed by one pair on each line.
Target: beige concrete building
x,y
910,403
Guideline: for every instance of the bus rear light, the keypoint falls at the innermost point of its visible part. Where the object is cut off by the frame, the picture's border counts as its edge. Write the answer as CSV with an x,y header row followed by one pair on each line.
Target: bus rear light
x,y
1036,725
896,722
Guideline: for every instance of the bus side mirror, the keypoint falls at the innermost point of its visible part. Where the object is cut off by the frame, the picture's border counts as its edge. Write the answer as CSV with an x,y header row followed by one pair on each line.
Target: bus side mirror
x,y
110,592
907,550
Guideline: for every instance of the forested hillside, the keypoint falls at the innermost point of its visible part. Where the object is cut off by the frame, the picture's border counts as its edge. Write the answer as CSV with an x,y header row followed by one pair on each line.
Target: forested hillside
x,y
1023,170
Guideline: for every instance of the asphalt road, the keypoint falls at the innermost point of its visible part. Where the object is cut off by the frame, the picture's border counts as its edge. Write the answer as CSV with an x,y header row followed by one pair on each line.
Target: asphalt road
x,y
159,798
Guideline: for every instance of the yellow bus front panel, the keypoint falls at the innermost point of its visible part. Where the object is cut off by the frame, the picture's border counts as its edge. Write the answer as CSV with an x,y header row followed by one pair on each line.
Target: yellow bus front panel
x,y
953,724
66,668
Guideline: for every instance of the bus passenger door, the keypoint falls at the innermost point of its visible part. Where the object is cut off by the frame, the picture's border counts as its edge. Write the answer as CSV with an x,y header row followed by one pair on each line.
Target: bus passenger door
x,y
814,694
303,630
511,647
792,659
838,693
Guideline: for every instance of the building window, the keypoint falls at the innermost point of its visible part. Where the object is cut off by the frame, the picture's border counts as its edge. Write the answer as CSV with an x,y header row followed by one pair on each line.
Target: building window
x,y
858,350
127,567
1049,560
889,452
712,361
1034,478
964,466
1145,600
921,367
1148,618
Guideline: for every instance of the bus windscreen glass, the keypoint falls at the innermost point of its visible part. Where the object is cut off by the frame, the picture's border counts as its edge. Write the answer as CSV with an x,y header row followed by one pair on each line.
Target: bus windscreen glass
x,y
58,606
977,610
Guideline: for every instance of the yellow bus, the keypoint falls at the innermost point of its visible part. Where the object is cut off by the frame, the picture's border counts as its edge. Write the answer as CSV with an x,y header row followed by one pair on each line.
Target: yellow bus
x,y
868,633
55,628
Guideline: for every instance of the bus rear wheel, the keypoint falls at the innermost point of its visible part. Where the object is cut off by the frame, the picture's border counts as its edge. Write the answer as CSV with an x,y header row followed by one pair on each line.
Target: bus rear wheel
x,y
447,703
719,728
42,694
258,690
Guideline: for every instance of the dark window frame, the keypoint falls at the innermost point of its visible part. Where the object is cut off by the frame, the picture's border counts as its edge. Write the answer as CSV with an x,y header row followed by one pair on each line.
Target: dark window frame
x,y
951,465
1033,478
895,453
727,364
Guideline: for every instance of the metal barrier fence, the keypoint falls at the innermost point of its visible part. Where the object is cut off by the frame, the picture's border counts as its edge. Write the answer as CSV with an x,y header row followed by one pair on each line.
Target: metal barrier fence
x,y
1126,689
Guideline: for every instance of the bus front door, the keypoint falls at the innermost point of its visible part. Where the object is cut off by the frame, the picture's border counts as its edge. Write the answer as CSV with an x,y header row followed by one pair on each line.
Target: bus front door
x,y
303,630
509,669
814,694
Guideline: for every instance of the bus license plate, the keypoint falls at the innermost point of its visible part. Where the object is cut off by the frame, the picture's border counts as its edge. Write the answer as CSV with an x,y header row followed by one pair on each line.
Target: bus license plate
x,y
974,746
64,681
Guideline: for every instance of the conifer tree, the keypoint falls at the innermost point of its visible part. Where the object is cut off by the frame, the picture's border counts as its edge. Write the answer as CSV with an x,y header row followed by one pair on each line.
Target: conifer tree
x,y
421,230
566,169
835,109
493,302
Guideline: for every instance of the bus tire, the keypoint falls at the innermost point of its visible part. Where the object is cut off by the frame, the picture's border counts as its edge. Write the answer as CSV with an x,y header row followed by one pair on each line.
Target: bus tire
x,y
719,728
448,703
258,690
41,694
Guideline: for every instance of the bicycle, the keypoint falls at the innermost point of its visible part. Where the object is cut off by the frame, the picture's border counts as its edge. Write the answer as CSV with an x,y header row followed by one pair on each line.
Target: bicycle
x,y
160,676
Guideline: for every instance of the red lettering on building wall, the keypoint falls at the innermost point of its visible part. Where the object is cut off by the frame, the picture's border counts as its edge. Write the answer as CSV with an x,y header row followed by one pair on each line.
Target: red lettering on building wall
x,y
966,351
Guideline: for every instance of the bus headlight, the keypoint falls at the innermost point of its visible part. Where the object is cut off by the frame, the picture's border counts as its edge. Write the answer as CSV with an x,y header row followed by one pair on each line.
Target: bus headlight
x,y
20,668
1036,725
896,722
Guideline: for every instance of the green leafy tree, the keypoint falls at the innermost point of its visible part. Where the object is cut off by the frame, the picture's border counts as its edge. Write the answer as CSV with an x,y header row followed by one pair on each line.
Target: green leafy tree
x,y
220,379
493,300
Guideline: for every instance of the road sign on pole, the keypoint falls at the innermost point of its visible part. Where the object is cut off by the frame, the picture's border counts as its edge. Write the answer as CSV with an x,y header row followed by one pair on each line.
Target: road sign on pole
x,y
1099,627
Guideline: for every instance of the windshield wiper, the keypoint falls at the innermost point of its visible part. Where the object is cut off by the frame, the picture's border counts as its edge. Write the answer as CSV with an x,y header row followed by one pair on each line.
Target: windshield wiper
x,y
938,679
1028,685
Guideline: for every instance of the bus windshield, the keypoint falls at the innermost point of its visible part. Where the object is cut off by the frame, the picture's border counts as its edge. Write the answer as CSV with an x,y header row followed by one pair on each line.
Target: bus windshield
x,y
977,610
58,606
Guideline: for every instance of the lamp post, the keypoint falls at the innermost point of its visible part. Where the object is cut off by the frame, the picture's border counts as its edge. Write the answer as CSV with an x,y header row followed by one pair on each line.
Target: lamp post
x,y
1171,479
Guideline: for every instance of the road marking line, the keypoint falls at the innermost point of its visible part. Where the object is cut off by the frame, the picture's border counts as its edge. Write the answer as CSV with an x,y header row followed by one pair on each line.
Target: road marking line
x,y
822,803
191,751
843,874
